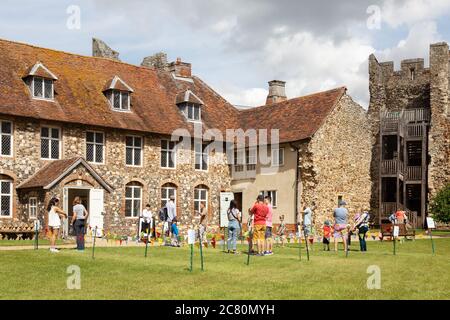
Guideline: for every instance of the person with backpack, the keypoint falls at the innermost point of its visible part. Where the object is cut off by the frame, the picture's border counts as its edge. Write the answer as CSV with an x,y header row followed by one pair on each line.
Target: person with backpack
x,y
234,227
362,225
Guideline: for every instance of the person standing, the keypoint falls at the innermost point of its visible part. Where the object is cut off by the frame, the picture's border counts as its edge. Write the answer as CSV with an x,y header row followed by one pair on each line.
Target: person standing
x,y
326,235
259,210
79,218
340,215
55,214
203,223
234,219
147,218
308,224
171,213
362,225
281,232
269,217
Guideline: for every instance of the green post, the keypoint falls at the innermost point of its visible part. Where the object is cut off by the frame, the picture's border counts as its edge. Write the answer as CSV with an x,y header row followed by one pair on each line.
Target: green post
x,y
347,244
249,248
36,235
146,244
224,237
306,243
395,249
299,244
192,257
93,245
201,252
432,242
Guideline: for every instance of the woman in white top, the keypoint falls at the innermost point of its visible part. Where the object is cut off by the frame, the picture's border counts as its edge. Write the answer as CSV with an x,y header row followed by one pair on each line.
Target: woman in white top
x,y
54,222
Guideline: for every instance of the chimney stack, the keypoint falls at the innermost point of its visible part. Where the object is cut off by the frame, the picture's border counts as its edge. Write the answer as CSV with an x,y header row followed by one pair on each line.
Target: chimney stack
x,y
277,92
180,68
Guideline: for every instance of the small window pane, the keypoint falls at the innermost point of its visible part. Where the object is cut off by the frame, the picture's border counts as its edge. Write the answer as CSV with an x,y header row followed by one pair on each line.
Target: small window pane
x,y
55,149
55,133
48,88
99,154
44,132
6,145
116,99
90,152
5,205
6,127
128,206
89,136
137,192
137,157
45,148
128,192
196,113
125,100
190,112
138,142
99,137
5,187
129,156
129,141
38,87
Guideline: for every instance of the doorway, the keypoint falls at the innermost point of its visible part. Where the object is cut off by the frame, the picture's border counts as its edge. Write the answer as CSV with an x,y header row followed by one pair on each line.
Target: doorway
x,y
238,199
68,204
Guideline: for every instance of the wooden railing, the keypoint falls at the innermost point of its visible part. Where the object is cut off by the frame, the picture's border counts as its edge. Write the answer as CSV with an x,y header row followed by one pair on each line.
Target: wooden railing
x,y
388,208
407,115
414,173
415,130
389,126
389,166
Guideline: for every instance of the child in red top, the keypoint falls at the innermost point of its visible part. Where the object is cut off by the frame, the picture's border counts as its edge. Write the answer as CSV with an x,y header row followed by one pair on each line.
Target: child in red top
x,y
326,235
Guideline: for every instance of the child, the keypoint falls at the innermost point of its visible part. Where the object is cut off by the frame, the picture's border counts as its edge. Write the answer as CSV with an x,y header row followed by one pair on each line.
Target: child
x,y
250,231
281,232
326,235
175,234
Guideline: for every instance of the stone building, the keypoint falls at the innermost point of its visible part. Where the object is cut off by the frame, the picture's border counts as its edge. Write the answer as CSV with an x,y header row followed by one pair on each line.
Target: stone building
x,y
409,113
121,136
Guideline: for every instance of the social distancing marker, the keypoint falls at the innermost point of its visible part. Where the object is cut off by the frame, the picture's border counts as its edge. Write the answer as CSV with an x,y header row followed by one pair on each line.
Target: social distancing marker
x,y
191,242
146,243
201,250
36,235
431,225
93,244
395,233
306,243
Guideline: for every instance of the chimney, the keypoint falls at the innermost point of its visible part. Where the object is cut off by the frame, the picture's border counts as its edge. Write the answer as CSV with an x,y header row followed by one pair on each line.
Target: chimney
x,y
101,49
277,92
156,61
180,68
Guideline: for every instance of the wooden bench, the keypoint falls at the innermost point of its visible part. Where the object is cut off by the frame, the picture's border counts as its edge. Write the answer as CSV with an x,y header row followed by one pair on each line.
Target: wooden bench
x,y
387,230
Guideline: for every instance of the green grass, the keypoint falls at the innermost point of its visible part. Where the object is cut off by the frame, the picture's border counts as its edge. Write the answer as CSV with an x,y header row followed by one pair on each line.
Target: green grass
x,y
10,243
124,273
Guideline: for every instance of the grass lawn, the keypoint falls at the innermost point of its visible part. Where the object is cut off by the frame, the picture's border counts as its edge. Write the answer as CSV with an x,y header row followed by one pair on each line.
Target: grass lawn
x,y
124,273
10,243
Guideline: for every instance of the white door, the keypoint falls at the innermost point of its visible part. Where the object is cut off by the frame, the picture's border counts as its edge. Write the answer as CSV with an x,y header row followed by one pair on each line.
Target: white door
x,y
96,208
65,224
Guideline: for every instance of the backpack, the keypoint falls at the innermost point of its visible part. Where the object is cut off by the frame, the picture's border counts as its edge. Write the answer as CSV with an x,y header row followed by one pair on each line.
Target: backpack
x,y
163,214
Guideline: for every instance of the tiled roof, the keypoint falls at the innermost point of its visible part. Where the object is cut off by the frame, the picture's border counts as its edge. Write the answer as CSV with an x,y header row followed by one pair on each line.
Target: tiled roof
x,y
56,170
79,97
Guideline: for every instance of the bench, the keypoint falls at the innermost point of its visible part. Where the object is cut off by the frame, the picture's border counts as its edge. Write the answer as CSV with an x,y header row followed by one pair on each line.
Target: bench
x,y
387,229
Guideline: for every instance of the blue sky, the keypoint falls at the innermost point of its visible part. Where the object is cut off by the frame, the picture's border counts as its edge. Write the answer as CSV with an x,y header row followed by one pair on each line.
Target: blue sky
x,y
238,46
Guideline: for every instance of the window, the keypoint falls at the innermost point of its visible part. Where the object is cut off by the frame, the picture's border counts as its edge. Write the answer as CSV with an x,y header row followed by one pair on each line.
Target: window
x,y
42,88
250,159
50,143
191,111
168,154
120,100
201,156
412,73
239,160
32,207
277,157
200,196
6,138
5,198
168,190
272,194
95,146
133,150
133,198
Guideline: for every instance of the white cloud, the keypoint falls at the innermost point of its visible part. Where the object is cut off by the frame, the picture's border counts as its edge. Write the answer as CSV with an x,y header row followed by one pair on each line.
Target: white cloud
x,y
244,97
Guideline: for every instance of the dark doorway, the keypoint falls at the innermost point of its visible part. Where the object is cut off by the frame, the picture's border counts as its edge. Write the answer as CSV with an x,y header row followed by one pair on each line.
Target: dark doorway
x,y
238,199
389,147
413,198
389,190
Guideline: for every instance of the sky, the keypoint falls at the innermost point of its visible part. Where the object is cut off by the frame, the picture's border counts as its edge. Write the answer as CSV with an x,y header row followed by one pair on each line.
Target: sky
x,y
238,46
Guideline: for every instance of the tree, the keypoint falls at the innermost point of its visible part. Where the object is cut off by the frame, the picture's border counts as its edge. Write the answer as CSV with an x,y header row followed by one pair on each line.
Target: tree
x,y
440,205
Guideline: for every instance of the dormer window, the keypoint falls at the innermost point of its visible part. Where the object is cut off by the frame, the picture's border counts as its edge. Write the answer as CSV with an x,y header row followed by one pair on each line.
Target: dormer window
x,y
190,105
40,81
118,94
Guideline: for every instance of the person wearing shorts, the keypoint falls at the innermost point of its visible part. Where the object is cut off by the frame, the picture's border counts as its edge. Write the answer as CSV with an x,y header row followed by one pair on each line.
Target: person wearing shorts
x,y
54,222
340,215
259,211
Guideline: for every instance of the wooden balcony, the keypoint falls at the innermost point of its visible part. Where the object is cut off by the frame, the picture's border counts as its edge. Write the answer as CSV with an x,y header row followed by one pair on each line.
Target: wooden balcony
x,y
414,130
389,166
414,173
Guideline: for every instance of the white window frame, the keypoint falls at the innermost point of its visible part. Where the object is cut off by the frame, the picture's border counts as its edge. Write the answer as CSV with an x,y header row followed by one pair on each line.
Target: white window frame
x,y
111,100
185,107
50,138
239,160
200,200
11,135
10,195
251,155
165,194
43,89
33,206
202,153
133,148
271,193
275,157
96,144
169,151
133,199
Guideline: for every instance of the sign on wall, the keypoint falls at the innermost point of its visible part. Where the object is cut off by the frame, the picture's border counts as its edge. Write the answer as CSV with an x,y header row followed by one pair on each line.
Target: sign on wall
x,y
225,198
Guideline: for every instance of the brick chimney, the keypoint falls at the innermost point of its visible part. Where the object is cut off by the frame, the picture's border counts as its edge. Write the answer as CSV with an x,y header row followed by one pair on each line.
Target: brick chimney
x,y
277,92
180,68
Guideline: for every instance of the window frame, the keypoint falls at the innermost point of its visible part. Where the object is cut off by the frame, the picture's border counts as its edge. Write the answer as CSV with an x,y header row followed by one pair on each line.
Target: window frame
x,y
52,98
10,135
133,148
30,207
239,160
169,151
278,163
251,158
187,106
95,144
11,198
111,100
50,138
166,187
271,193
203,154
200,200
133,199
